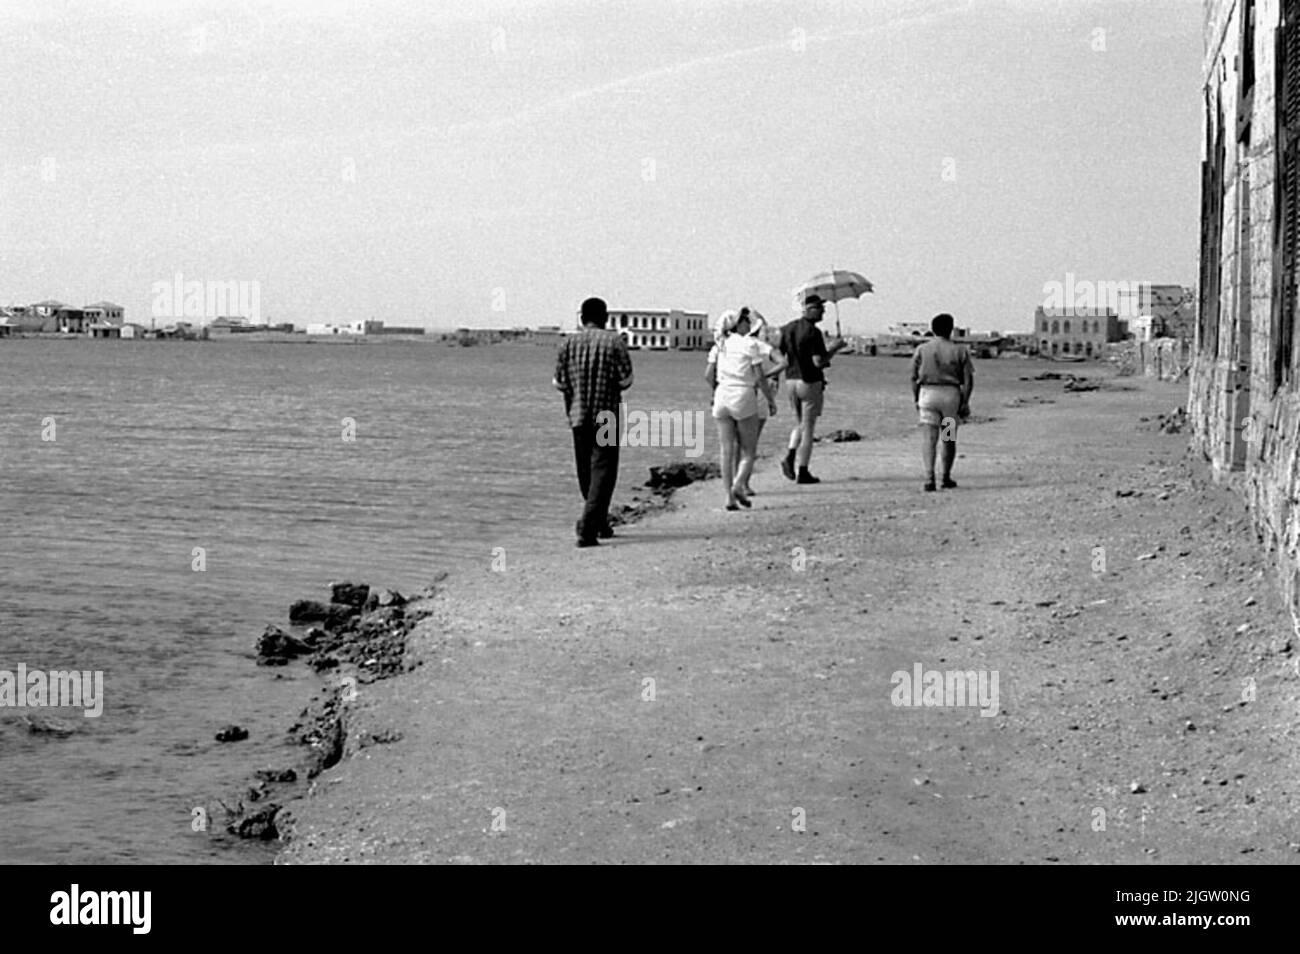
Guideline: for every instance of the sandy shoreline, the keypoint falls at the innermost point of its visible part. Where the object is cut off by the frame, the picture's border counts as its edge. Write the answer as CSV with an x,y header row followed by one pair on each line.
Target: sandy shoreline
x,y
711,682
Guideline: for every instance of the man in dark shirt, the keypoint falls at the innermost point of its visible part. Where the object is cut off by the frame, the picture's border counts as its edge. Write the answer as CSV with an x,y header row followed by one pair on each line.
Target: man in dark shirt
x,y
592,370
807,357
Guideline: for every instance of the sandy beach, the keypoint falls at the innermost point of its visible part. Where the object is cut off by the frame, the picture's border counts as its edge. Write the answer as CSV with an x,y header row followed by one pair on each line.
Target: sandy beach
x,y
716,687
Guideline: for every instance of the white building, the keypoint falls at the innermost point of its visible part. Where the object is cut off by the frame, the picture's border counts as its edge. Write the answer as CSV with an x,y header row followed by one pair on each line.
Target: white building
x,y
662,329
367,326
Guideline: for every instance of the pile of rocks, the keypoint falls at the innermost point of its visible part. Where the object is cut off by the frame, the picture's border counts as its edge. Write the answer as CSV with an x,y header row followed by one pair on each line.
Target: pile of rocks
x,y
662,483
359,627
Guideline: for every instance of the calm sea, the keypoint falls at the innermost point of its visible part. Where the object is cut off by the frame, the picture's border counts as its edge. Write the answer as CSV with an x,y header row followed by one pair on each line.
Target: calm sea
x,y
238,448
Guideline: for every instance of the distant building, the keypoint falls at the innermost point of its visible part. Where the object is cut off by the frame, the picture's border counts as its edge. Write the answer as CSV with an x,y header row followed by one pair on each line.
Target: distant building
x,y
104,311
1145,327
1076,331
920,329
366,326
179,329
40,317
1026,342
662,329
71,321
1157,311
229,325
55,317
48,308
1172,309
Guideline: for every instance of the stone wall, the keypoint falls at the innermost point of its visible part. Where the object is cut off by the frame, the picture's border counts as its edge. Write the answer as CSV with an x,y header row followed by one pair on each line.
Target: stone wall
x,y
1169,359
1244,423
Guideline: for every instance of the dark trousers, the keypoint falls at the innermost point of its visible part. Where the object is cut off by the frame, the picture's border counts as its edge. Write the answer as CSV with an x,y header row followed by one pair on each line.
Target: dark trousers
x,y
597,474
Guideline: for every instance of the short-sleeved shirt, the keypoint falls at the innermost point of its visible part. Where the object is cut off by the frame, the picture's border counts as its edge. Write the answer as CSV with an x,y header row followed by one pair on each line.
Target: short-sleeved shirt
x,y
800,341
770,365
939,361
589,367
737,358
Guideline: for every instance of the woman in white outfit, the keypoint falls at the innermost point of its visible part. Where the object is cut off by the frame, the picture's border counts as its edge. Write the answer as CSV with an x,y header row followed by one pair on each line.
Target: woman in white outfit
x,y
735,372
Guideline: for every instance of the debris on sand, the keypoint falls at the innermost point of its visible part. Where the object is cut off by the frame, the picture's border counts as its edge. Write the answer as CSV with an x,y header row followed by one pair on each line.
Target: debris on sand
x,y
48,725
662,484
842,436
1172,423
1049,376
672,476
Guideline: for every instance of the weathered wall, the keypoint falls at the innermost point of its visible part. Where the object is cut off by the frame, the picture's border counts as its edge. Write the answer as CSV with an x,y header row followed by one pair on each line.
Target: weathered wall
x,y
1165,358
1243,336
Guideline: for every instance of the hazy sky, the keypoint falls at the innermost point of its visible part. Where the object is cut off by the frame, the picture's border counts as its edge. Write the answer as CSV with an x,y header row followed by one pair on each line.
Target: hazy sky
x,y
492,163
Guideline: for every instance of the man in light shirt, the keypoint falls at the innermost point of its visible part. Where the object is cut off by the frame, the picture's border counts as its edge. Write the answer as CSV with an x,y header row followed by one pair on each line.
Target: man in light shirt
x,y
942,379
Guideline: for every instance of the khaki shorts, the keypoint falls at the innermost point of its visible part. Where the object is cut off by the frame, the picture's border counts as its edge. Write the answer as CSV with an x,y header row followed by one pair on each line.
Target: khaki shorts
x,y
804,395
937,402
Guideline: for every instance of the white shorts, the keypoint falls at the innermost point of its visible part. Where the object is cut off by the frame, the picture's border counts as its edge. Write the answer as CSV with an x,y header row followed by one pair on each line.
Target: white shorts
x,y
735,401
937,402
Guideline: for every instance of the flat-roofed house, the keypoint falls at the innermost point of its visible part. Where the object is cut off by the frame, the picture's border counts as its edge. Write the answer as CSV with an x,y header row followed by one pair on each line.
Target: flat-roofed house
x,y
661,329
1076,331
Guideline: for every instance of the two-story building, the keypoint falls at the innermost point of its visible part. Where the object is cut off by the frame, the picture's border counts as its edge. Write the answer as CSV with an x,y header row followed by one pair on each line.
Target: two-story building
x,y
662,329
1076,331
103,312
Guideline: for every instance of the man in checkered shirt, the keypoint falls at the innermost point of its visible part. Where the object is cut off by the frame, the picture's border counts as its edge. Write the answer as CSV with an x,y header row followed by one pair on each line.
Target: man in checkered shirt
x,y
592,370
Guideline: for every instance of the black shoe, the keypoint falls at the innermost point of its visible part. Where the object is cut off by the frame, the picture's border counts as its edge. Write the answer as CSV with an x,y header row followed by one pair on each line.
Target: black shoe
x,y
807,478
929,485
787,466
587,543
948,483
